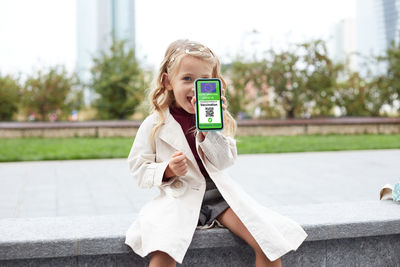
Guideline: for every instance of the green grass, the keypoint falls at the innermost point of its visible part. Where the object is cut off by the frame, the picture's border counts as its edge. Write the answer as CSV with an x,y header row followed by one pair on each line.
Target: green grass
x,y
27,149
304,143
30,149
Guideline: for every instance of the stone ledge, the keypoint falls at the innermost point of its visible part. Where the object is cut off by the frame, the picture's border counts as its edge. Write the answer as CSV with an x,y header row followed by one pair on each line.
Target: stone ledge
x,y
59,237
272,127
61,125
241,123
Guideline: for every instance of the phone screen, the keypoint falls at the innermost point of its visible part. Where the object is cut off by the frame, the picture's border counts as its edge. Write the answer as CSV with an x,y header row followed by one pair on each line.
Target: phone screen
x,y
209,113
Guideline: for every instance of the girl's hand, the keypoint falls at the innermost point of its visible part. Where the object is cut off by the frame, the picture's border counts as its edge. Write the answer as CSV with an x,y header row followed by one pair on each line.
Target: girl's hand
x,y
177,165
224,104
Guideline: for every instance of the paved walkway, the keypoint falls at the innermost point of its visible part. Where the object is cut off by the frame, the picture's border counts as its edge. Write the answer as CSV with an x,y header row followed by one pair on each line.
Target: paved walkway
x,y
97,187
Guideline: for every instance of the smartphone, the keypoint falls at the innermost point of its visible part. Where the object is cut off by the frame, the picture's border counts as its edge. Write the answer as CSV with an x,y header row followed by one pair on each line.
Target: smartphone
x,y
209,112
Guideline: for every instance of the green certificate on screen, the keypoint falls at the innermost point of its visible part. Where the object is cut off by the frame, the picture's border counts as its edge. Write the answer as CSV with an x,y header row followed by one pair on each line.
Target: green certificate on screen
x,y
209,112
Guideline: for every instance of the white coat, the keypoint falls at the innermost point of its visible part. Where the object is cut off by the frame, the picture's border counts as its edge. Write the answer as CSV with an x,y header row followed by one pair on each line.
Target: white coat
x,y
169,220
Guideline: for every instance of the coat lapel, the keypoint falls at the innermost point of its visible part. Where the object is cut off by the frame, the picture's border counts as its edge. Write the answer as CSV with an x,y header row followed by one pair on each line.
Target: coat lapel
x,y
175,138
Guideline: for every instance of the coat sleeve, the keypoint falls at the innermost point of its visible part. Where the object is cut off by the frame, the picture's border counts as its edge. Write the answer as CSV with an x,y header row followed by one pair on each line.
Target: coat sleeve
x,y
142,159
219,150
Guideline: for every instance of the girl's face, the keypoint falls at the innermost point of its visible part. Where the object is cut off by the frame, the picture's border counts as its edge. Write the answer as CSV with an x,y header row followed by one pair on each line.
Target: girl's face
x,y
182,82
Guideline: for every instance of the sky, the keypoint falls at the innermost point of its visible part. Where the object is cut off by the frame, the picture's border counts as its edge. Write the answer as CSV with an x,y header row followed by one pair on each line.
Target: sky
x,y
37,33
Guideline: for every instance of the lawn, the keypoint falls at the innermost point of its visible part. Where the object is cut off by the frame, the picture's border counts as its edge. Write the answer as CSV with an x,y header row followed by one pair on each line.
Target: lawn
x,y
29,149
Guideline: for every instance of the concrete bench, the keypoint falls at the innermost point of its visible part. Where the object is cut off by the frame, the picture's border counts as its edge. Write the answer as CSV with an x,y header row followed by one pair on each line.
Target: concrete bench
x,y
340,234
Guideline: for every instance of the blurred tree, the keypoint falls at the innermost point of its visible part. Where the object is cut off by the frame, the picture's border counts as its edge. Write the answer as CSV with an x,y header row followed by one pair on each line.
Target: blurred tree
x,y
288,81
357,96
389,83
239,74
118,80
379,92
51,92
248,79
262,90
351,95
320,76
365,96
305,81
9,97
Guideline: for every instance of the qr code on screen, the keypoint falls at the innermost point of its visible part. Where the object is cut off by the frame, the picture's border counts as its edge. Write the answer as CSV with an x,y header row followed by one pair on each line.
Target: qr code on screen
x,y
209,112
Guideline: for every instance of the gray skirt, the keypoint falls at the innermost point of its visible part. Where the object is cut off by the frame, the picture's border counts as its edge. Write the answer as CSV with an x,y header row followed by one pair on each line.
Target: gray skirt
x,y
213,204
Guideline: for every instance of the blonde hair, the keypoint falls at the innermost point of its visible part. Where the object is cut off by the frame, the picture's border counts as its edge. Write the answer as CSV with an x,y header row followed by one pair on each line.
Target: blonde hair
x,y
161,98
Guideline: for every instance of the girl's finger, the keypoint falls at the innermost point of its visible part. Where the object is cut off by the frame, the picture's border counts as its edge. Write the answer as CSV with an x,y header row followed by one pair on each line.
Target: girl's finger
x,y
182,167
177,153
224,104
180,164
182,170
173,161
179,158
224,100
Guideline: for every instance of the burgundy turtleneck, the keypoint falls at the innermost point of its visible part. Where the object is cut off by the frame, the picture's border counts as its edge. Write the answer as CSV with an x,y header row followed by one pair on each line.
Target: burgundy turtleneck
x,y
188,125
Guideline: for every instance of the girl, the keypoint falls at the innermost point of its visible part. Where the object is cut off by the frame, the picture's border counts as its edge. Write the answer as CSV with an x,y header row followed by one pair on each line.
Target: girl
x,y
187,167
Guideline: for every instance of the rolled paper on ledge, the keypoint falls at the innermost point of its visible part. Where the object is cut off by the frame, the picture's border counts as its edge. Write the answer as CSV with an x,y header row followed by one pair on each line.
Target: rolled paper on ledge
x,y
386,192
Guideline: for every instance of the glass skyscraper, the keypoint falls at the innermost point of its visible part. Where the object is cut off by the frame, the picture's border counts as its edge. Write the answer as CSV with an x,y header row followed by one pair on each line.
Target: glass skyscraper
x,y
378,23
390,20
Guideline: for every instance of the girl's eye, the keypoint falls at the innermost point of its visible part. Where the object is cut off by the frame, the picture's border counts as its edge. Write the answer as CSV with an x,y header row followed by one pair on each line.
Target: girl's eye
x,y
187,78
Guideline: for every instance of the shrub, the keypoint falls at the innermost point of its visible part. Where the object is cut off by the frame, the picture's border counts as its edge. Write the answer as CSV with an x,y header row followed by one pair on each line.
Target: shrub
x,y
118,80
9,97
52,92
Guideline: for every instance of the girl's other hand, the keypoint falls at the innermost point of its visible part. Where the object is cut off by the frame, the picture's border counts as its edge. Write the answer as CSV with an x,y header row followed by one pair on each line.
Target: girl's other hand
x,y
177,165
223,99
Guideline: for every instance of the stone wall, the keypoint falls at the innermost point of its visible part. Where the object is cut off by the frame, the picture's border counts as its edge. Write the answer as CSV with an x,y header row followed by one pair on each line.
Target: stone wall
x,y
245,128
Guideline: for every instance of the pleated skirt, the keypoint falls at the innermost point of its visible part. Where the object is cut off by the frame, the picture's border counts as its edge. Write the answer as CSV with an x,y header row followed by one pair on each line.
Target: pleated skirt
x,y
212,206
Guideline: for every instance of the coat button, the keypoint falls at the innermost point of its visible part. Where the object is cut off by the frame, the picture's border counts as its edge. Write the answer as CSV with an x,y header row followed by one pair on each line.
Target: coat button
x,y
178,184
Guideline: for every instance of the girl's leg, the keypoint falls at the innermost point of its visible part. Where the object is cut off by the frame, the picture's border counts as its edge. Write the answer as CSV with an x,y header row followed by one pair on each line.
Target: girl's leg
x,y
161,259
231,221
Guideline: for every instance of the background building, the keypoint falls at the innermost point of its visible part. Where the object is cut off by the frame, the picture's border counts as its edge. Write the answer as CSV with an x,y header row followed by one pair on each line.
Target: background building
x,y
97,22
391,25
378,23
343,42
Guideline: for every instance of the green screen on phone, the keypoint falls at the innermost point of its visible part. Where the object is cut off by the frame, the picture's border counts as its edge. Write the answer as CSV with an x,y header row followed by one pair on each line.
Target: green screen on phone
x,y
209,114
